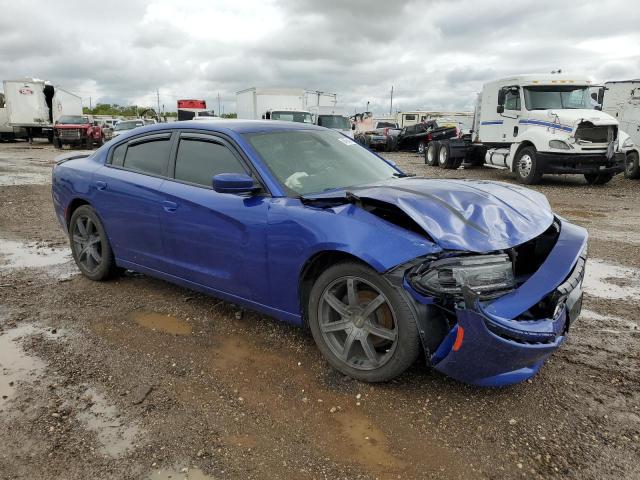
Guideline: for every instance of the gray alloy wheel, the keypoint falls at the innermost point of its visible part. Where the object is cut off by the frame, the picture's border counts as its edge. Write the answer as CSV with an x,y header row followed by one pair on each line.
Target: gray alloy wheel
x,y
90,245
421,148
357,323
363,325
443,156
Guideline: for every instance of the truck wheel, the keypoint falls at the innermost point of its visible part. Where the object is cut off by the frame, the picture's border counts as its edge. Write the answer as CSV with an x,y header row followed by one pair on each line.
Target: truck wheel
x,y
390,147
444,156
431,154
598,178
57,143
89,143
632,166
99,142
421,147
526,166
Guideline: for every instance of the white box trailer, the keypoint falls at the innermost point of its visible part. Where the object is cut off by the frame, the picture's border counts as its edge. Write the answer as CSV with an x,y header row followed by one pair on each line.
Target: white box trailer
x,y
289,104
621,100
35,105
316,98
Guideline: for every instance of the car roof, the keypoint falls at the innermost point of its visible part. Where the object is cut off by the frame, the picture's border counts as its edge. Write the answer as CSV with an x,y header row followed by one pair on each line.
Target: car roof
x,y
232,125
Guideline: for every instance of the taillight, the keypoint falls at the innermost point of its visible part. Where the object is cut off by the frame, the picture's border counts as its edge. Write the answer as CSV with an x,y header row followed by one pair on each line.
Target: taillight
x,y
429,137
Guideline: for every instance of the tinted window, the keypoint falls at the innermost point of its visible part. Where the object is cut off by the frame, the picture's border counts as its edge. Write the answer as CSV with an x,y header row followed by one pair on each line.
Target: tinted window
x,y
198,161
117,158
148,157
410,117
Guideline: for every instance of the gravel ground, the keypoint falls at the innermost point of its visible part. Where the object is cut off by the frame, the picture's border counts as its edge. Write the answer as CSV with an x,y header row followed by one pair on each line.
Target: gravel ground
x,y
137,378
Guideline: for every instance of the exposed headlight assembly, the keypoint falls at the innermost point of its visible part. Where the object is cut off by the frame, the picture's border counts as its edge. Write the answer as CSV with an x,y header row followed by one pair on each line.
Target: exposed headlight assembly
x,y
487,275
559,144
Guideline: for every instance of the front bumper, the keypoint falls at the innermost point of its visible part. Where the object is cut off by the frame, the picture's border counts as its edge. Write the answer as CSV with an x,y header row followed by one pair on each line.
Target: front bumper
x,y
580,162
490,346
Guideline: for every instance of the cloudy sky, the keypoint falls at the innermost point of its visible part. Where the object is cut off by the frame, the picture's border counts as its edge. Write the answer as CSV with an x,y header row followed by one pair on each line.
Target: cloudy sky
x,y
436,54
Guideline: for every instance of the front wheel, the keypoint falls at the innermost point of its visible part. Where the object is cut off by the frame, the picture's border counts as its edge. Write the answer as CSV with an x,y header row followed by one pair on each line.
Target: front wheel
x,y
632,166
363,325
598,178
526,166
421,147
57,143
90,246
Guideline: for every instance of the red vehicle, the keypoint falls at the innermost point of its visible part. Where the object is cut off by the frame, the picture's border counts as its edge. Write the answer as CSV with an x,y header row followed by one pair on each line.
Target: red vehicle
x,y
77,130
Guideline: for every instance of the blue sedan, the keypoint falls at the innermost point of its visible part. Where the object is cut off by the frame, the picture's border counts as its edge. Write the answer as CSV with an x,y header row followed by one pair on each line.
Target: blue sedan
x,y
303,224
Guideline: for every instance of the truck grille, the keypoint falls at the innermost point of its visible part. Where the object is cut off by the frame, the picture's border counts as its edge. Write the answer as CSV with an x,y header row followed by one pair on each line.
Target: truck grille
x,y
588,132
71,134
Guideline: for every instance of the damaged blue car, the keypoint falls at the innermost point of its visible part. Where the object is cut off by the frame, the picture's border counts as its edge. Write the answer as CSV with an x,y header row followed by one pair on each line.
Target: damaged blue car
x,y
303,224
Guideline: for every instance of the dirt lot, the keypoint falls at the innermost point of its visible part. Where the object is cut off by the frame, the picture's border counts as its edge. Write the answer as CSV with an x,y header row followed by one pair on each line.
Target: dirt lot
x,y
137,378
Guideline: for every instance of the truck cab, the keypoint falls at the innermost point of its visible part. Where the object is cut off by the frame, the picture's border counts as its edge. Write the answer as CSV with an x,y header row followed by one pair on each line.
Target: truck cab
x,y
537,124
332,117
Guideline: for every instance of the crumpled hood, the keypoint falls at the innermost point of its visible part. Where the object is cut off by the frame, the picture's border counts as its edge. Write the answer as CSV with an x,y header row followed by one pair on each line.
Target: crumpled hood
x,y
475,216
573,117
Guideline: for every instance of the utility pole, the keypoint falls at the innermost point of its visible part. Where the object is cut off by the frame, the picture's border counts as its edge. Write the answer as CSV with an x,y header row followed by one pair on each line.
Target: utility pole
x,y
158,112
391,106
367,109
219,111
90,107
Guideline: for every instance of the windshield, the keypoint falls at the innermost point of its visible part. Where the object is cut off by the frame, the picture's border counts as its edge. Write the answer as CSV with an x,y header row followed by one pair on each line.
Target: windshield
x,y
555,96
73,119
300,117
128,125
312,161
334,121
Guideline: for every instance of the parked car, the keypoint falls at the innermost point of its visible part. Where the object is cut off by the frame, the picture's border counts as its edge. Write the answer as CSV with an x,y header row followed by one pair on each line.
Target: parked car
x,y
301,223
77,130
125,125
417,137
382,136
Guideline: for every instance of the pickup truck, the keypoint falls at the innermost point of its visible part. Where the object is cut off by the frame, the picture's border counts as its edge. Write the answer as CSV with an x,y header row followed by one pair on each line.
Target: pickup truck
x,y
383,135
77,130
418,136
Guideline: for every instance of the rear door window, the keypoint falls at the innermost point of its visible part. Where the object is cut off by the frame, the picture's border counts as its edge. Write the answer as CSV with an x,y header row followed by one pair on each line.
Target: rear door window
x,y
148,156
198,160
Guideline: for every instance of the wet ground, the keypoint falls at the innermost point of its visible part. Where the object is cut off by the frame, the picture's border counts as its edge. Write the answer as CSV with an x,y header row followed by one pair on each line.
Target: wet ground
x,y
139,379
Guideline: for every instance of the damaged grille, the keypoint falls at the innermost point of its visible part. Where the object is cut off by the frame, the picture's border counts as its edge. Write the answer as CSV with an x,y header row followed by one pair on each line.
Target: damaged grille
x,y
589,133
71,134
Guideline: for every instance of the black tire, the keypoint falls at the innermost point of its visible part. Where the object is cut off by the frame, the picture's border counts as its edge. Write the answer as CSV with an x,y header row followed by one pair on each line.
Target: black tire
x,y
632,166
598,178
526,166
431,154
89,143
57,143
422,147
368,285
89,265
444,157
390,147
99,142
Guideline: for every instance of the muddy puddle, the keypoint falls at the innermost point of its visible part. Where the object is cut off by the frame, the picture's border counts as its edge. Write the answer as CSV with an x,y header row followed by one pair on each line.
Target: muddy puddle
x,y
16,366
115,435
57,262
606,280
180,474
161,322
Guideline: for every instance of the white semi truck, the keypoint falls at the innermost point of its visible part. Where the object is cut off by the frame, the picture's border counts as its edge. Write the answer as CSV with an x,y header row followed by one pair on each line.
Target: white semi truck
x,y
536,124
33,106
621,100
288,104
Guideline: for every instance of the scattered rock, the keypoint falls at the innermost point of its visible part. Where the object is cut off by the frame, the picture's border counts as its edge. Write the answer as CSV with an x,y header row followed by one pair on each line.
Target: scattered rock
x,y
140,393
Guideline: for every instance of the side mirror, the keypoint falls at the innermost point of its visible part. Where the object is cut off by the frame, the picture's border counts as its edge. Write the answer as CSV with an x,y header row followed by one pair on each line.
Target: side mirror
x,y
233,183
500,109
502,95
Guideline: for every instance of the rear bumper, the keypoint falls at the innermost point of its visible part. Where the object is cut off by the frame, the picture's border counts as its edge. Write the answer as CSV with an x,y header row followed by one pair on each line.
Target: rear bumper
x,y
580,163
490,346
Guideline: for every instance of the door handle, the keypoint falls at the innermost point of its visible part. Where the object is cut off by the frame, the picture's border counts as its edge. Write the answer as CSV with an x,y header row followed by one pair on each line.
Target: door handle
x,y
169,206
100,185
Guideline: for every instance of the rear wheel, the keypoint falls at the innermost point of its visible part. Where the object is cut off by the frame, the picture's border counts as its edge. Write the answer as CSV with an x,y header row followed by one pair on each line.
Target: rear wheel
x,y
632,166
431,154
362,325
444,157
526,166
90,245
598,178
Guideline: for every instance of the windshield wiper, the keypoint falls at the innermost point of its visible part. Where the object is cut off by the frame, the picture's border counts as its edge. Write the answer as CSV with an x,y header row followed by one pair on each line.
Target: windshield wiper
x,y
403,175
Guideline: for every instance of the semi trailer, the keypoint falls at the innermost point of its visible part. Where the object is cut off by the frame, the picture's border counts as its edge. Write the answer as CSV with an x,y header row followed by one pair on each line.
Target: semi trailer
x,y
533,125
287,104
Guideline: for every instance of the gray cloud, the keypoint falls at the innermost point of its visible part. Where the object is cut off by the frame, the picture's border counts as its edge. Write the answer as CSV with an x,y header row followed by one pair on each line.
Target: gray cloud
x,y
436,53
